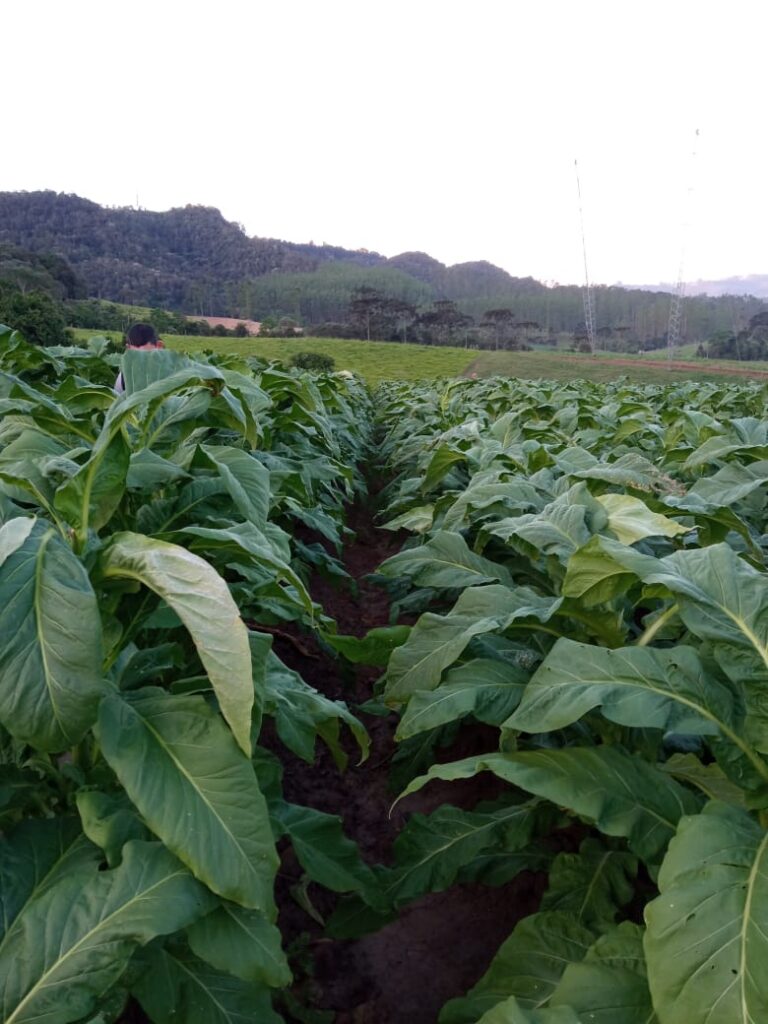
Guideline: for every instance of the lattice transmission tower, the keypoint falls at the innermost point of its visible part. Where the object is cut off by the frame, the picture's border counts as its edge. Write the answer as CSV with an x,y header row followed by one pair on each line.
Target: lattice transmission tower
x,y
589,302
674,326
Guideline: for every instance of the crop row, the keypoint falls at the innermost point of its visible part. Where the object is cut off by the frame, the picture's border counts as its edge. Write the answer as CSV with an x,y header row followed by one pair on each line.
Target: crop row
x,y
588,568
139,812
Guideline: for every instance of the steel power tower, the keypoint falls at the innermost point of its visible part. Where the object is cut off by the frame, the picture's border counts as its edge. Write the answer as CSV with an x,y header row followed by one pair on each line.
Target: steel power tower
x,y
678,297
589,304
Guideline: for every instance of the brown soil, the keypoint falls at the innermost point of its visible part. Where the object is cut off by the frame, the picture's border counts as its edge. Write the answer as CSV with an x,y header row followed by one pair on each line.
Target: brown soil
x,y
657,364
664,364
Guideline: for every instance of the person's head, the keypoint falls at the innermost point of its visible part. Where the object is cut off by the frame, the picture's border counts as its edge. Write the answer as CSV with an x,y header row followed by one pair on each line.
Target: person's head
x,y
142,336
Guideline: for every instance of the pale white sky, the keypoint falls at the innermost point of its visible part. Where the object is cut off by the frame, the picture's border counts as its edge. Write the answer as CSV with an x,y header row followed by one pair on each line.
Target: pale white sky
x,y
449,127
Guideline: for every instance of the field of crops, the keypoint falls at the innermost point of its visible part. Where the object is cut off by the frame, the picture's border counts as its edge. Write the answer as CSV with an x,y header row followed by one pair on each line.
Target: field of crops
x,y
501,758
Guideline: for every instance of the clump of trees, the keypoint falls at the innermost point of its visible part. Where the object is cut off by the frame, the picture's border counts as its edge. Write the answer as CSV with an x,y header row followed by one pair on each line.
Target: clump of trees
x,y
39,317
32,288
316,361
279,327
373,315
748,345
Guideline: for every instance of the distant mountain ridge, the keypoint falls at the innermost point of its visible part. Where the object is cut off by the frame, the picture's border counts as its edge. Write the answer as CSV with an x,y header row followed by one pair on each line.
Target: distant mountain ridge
x,y
755,285
193,261
181,258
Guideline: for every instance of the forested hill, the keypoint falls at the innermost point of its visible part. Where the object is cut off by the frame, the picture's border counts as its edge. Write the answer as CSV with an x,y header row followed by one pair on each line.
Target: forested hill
x,y
177,259
190,258
194,261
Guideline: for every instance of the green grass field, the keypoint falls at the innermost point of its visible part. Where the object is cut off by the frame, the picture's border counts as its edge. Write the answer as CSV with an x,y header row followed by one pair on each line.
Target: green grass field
x,y
373,360
377,361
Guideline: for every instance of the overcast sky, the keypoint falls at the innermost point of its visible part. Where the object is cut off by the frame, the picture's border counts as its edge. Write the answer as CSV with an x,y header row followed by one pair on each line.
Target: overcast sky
x,y
448,126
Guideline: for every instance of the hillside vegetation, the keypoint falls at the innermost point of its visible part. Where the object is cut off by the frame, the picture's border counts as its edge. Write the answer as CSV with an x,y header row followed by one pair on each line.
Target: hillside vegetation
x,y
194,261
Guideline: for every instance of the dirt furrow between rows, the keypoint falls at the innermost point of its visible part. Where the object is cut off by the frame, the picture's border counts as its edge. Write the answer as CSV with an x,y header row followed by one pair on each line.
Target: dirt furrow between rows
x,y
441,943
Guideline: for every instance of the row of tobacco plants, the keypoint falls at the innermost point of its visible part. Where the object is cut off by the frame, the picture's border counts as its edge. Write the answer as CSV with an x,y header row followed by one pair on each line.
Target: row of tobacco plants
x,y
149,547
588,568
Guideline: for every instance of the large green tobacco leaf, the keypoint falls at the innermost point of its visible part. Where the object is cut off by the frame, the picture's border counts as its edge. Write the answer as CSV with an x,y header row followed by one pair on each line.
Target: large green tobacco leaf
x,y
622,794
707,937
323,850
490,690
496,868
25,463
436,641
50,659
78,936
709,778
730,484
721,597
301,714
558,530
247,543
630,470
109,821
194,788
637,686
14,534
149,471
33,857
749,442
610,984
432,849
591,884
528,965
593,576
241,942
261,647
374,648
201,599
177,988
246,480
418,519
24,399
439,465
91,497
444,561
140,369
192,502
491,491
110,1007
18,789
667,689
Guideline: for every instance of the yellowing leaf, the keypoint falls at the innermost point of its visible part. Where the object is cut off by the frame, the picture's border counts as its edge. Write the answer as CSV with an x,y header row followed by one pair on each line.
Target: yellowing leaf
x,y
630,519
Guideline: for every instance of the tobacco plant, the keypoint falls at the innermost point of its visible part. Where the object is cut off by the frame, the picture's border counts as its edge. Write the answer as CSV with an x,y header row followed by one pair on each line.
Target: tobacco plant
x,y
139,814
589,565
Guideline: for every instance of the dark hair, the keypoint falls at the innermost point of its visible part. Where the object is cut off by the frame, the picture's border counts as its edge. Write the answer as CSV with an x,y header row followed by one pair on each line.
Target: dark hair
x,y
141,334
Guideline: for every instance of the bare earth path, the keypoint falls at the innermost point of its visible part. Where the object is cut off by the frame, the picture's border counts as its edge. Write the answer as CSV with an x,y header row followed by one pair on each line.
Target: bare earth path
x,y
536,364
441,944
